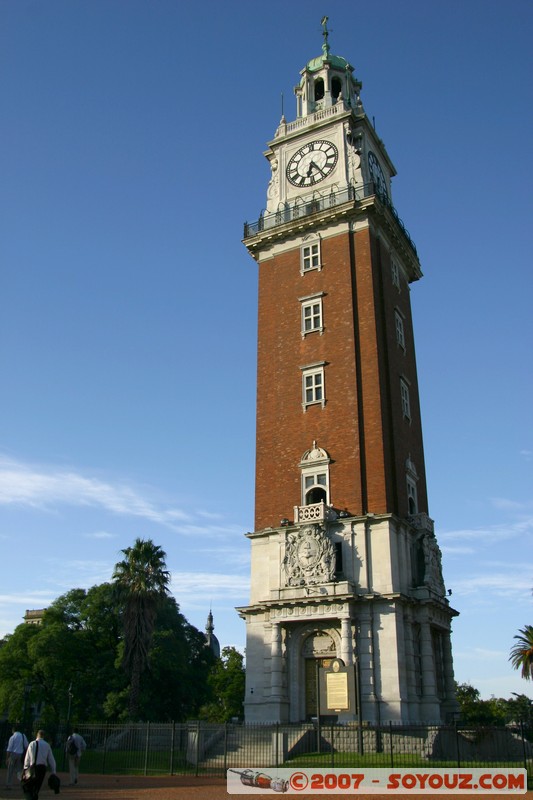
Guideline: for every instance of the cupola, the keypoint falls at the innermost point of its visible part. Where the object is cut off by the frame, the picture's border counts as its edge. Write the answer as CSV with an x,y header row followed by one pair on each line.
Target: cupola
x,y
326,80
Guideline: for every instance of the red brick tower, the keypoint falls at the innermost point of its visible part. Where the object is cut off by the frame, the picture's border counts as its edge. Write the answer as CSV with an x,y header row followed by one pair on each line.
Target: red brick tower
x,y
342,533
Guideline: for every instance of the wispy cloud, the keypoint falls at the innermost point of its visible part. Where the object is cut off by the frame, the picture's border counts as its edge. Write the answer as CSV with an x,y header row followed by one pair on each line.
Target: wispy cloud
x,y
238,557
520,525
65,574
458,550
505,504
209,584
100,535
476,653
512,582
47,488
194,529
38,599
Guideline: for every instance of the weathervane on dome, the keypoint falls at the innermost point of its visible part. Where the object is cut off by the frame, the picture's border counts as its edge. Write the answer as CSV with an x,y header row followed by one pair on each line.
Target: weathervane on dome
x,y
325,34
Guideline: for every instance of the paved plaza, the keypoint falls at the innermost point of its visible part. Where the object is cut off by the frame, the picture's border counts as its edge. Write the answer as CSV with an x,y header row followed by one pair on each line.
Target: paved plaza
x,y
177,787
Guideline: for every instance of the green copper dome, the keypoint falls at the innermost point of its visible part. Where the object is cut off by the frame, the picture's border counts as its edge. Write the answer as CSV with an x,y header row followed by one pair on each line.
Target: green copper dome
x,y
338,62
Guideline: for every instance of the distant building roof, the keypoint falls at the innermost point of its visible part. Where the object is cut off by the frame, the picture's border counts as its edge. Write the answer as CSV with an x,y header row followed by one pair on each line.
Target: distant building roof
x,y
34,616
210,638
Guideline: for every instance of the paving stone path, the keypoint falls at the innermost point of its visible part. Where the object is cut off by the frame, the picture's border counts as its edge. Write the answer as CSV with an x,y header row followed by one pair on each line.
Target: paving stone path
x,y
179,787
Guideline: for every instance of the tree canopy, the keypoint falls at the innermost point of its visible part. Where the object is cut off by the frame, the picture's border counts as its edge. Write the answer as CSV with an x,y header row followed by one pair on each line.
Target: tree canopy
x,y
495,711
71,667
226,682
522,653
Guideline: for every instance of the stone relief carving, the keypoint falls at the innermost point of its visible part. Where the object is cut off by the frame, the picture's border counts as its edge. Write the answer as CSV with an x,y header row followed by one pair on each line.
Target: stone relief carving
x,y
309,557
316,453
432,564
318,644
321,610
273,187
354,158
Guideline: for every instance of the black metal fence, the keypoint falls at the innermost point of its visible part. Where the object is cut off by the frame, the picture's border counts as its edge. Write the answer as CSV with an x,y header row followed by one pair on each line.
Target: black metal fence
x,y
200,748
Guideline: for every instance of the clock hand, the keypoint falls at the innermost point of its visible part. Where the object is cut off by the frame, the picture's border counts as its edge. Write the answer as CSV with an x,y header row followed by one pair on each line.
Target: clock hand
x,y
317,168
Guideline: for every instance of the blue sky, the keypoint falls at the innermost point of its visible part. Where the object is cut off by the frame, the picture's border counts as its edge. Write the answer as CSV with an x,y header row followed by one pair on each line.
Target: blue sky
x,y
130,155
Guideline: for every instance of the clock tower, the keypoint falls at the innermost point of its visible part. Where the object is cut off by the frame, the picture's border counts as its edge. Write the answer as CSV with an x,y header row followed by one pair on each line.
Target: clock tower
x,y
345,566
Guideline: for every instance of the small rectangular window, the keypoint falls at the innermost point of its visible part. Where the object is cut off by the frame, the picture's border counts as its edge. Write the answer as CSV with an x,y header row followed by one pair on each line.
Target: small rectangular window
x,y
310,255
406,404
412,497
313,386
400,334
312,316
395,273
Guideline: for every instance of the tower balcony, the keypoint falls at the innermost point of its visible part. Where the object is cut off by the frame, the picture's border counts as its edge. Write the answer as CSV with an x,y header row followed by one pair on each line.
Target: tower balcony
x,y
315,512
302,209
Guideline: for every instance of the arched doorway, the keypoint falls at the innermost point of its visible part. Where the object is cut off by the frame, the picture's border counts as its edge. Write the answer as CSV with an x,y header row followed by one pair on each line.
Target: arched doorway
x,y
318,650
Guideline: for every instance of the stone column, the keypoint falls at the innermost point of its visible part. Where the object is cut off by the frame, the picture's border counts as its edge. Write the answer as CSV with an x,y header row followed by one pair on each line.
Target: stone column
x,y
451,705
429,688
346,641
430,701
410,665
276,681
365,657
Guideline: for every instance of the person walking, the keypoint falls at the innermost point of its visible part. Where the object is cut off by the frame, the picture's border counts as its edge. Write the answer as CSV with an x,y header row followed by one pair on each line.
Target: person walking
x,y
16,747
39,756
75,746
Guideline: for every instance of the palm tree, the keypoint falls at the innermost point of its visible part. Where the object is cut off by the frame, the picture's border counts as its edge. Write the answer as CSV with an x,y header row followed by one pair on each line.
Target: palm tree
x,y
142,582
522,652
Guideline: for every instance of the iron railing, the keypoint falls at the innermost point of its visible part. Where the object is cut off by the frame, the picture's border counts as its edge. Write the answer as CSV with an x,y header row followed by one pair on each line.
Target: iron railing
x,y
200,748
301,208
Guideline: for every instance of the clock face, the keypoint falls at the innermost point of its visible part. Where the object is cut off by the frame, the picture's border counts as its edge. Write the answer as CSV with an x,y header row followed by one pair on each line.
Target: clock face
x,y
376,174
312,163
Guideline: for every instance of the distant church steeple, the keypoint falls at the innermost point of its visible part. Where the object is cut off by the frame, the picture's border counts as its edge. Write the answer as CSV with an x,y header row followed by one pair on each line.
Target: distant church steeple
x,y
210,638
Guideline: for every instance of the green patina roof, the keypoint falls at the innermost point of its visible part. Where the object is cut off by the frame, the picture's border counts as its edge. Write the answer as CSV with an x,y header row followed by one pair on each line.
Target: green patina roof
x,y
336,61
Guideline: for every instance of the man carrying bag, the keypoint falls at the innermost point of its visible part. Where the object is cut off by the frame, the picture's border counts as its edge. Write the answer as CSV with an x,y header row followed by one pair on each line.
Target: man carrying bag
x,y
38,758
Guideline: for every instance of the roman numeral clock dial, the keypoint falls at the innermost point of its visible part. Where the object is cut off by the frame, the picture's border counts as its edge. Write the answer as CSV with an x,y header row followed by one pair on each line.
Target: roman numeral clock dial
x,y
312,163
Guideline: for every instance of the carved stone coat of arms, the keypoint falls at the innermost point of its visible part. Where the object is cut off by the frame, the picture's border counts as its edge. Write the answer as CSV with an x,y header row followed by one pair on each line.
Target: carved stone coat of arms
x,y
309,557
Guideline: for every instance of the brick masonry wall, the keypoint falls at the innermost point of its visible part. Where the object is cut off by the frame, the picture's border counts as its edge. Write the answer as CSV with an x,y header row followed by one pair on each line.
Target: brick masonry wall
x,y
361,426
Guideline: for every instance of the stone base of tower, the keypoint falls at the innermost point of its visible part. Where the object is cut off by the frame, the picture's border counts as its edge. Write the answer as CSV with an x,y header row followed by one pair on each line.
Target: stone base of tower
x,y
396,636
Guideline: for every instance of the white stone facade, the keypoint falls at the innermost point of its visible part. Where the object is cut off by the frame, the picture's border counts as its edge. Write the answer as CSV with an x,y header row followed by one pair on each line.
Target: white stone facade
x,y
384,609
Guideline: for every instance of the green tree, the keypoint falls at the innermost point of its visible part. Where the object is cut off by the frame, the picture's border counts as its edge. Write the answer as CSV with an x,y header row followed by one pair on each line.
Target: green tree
x,y
94,620
226,684
520,709
66,665
18,691
141,580
521,655
476,711
175,685
70,667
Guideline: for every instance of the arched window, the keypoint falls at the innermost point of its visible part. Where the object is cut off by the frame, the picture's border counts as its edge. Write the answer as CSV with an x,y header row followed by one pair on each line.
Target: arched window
x,y
315,489
314,467
319,89
336,88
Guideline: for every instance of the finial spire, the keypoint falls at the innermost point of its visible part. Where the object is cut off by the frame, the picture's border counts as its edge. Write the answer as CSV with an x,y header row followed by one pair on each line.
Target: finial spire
x,y
325,34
